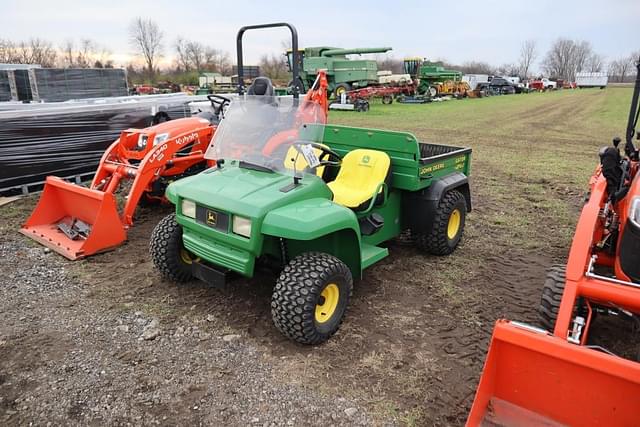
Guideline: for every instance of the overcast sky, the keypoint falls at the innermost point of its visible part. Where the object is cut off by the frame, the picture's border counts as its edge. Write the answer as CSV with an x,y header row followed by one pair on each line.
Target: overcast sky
x,y
459,31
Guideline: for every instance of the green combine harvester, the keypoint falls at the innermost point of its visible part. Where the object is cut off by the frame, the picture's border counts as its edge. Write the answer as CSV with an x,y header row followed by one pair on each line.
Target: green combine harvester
x,y
429,75
343,74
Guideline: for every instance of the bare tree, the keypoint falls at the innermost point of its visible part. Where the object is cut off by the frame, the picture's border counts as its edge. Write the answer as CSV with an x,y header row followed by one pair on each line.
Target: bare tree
x,y
595,63
273,66
388,62
568,57
36,51
476,67
196,53
8,51
508,70
182,53
528,54
217,60
146,37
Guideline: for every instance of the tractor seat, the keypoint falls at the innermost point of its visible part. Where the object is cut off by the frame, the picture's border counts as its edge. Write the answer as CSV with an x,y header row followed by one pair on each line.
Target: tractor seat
x,y
261,86
362,172
296,161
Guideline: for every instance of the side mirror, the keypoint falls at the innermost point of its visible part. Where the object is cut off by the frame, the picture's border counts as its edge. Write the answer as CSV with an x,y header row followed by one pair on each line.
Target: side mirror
x,y
616,141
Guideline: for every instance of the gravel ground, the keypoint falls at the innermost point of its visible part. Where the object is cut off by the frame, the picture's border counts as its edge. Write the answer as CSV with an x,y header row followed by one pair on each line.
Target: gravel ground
x,y
64,359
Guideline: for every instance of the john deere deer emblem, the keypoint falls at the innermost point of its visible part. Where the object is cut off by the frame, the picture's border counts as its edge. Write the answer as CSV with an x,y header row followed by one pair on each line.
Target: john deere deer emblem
x,y
211,218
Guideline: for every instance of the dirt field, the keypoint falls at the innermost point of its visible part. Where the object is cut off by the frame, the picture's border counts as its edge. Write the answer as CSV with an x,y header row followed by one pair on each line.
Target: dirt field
x,y
411,349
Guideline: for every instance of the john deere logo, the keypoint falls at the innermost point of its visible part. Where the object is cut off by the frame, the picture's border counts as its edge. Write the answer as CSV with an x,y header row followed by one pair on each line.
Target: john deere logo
x,y
365,159
212,218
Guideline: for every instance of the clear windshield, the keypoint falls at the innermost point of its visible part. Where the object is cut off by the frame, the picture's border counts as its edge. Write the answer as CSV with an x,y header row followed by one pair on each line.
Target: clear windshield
x,y
263,130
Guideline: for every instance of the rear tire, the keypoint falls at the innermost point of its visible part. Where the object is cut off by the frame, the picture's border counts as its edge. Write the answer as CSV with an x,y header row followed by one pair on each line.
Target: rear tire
x,y
447,225
168,254
311,297
551,297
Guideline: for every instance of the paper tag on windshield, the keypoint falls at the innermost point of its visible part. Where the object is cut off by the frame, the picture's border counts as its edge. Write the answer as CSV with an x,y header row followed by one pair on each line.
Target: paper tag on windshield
x,y
309,155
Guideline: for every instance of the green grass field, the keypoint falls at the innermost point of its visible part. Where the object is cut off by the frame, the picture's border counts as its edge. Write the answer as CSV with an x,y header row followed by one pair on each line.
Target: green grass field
x,y
532,154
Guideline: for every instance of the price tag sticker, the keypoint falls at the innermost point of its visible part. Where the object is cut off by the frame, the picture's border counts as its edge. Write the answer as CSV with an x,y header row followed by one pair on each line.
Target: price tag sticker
x,y
309,155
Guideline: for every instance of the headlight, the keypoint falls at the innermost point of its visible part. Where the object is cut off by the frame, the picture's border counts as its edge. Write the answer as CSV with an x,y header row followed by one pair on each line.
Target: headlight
x,y
142,142
242,226
188,208
634,211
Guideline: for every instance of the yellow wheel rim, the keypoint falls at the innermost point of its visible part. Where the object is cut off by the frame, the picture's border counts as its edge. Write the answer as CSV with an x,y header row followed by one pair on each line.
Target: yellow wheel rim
x,y
186,256
327,303
454,224
340,91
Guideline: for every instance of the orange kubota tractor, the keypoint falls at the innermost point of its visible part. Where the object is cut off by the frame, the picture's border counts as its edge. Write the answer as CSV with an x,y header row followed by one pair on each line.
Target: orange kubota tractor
x,y
77,221
535,377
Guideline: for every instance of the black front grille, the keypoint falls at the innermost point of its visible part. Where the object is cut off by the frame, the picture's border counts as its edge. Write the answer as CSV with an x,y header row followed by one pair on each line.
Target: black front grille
x,y
212,218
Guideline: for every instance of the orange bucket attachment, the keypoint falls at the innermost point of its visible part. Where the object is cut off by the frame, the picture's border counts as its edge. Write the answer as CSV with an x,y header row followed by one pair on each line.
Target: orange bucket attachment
x,y
75,221
532,378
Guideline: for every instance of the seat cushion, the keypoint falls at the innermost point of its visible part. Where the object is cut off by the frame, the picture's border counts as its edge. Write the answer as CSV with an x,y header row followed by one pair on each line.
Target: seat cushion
x,y
361,172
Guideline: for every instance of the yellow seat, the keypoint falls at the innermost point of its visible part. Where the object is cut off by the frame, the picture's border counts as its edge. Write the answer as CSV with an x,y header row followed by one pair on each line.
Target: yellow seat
x,y
294,157
361,174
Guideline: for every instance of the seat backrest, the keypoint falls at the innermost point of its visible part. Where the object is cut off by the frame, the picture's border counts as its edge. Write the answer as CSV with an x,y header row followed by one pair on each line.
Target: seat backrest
x,y
295,158
362,168
261,86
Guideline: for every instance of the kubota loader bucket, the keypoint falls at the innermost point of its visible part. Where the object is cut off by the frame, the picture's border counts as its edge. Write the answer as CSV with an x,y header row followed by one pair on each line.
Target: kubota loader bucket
x,y
532,378
75,221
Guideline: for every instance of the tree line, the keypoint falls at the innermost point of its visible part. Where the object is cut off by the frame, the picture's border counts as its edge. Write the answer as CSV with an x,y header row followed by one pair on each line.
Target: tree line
x,y
564,59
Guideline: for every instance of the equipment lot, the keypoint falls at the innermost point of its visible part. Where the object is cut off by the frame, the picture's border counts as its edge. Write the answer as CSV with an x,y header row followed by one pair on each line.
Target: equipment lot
x,y
414,340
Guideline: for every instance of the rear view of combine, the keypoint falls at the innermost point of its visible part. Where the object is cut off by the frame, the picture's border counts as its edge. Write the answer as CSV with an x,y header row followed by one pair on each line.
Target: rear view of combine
x,y
534,377
77,221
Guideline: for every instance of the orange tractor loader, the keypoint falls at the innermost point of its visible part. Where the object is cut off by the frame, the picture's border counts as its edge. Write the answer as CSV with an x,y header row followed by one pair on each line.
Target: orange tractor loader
x,y
77,221
535,377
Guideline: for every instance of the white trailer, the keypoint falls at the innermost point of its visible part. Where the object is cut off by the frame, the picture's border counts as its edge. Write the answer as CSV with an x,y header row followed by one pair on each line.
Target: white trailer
x,y
592,80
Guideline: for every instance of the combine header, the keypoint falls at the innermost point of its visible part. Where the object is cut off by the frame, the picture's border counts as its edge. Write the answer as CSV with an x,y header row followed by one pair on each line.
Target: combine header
x,y
77,221
534,377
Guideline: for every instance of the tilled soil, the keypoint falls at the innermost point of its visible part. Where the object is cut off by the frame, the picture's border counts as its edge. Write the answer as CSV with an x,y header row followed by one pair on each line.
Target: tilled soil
x,y
73,350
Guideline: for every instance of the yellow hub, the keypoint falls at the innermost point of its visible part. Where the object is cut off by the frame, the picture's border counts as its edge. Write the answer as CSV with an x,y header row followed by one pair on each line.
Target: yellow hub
x,y
327,303
340,91
454,224
186,257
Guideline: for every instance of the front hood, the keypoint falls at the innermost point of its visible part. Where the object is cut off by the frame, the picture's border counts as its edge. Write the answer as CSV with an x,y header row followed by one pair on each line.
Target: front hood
x,y
244,191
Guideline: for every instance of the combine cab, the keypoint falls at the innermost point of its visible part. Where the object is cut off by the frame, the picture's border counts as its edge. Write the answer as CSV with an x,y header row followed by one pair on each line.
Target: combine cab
x,y
534,377
77,221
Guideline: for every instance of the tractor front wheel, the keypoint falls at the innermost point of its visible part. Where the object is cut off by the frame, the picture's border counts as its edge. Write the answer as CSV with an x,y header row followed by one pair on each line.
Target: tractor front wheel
x,y
340,89
446,227
311,297
167,251
551,297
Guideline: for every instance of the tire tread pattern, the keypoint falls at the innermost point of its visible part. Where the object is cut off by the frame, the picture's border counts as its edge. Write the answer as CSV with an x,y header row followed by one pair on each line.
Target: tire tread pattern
x,y
551,296
296,291
436,241
164,248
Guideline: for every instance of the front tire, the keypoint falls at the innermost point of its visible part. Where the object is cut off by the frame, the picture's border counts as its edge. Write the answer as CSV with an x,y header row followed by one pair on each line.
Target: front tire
x,y
340,89
447,225
167,251
551,297
311,297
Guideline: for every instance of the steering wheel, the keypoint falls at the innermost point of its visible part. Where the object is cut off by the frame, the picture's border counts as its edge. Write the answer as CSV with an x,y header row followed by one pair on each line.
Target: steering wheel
x,y
325,151
218,102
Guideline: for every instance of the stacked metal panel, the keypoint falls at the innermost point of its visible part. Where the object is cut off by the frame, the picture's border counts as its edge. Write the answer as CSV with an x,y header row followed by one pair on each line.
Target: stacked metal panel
x,y
5,88
67,139
62,84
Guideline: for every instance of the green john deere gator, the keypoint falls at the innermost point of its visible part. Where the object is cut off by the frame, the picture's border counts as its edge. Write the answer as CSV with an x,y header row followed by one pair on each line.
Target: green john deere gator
x,y
318,201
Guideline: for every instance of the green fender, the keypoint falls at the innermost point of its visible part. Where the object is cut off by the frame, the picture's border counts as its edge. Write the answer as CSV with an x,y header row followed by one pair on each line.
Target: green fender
x,y
318,225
